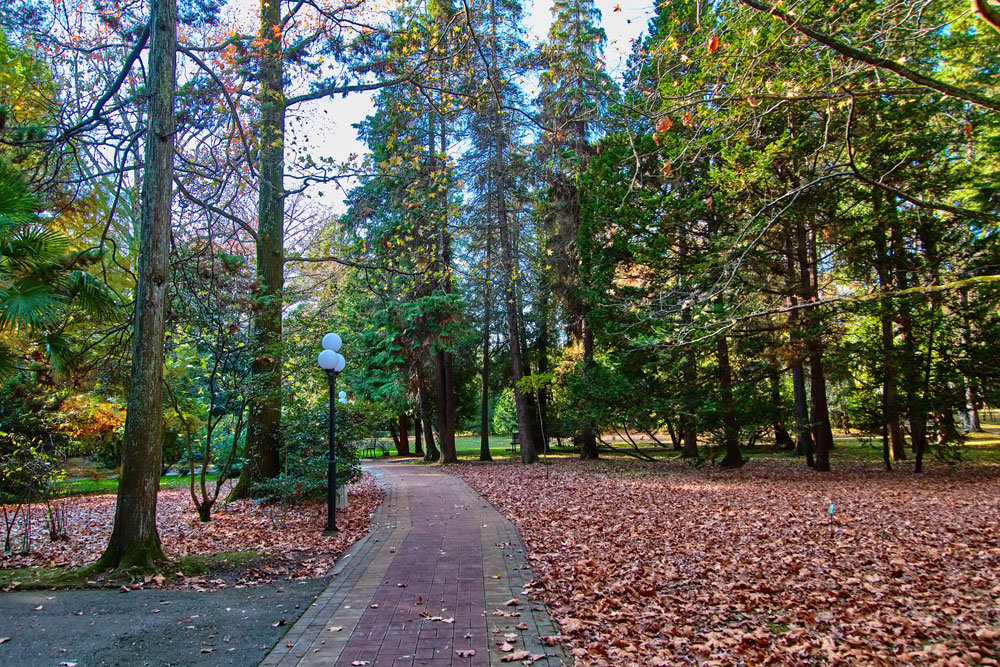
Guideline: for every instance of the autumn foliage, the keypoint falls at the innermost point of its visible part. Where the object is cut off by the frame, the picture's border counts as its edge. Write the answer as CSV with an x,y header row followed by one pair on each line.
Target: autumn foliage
x,y
666,564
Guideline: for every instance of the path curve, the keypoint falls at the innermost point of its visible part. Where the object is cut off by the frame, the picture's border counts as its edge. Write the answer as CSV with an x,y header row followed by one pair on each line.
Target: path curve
x,y
437,550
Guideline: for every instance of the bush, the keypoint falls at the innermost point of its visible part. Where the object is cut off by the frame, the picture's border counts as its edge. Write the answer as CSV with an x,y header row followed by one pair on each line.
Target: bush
x,y
109,454
32,449
305,451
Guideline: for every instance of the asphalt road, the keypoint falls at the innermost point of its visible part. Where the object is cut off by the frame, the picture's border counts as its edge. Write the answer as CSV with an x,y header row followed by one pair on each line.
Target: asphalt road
x,y
230,626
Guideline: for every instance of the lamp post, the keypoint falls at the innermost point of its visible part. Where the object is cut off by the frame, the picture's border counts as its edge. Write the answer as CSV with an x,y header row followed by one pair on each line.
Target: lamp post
x,y
331,361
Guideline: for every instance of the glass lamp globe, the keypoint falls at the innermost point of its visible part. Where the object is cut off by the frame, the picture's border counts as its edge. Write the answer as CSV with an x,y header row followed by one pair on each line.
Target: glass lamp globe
x,y
332,342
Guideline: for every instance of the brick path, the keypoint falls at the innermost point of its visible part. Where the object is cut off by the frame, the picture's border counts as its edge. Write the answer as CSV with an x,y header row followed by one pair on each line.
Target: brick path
x,y
436,551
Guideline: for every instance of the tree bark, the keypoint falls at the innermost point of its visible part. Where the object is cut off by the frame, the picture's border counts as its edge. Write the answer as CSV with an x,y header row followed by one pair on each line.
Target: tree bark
x,y
418,445
484,407
689,427
588,436
689,373
972,398
803,430
819,411
134,539
733,457
542,350
528,452
445,370
890,377
403,445
431,453
263,444
781,437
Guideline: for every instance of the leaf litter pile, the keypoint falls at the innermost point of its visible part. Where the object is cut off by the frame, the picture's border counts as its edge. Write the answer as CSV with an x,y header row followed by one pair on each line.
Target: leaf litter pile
x,y
659,564
289,539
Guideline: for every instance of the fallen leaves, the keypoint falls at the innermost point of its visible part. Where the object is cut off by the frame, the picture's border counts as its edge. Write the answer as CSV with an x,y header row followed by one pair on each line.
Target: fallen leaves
x,y
515,656
290,539
666,564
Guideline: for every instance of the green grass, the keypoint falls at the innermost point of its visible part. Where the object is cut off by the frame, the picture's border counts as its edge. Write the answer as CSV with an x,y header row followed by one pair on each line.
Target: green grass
x,y
85,487
848,448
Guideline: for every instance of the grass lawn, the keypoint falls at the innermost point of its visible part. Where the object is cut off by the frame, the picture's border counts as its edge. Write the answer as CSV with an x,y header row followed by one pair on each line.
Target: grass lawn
x,y
98,485
848,447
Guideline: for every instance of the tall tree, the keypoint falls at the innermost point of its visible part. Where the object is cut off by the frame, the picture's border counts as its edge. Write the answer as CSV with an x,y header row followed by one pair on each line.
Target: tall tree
x,y
574,91
134,538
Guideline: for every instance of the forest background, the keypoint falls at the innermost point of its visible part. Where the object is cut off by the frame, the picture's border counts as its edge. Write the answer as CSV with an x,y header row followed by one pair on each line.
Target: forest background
x,y
781,220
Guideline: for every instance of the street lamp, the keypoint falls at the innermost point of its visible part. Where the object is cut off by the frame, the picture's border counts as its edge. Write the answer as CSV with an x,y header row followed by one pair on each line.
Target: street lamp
x,y
331,361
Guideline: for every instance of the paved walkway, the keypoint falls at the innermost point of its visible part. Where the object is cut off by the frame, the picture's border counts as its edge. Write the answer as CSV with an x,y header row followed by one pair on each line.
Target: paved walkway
x,y
427,586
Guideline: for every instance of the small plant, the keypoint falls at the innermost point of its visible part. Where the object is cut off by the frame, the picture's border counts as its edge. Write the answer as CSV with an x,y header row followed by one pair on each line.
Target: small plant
x,y
56,521
28,475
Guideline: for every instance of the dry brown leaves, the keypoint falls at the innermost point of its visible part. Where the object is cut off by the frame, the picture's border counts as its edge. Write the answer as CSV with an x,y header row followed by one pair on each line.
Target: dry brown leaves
x,y
291,539
658,564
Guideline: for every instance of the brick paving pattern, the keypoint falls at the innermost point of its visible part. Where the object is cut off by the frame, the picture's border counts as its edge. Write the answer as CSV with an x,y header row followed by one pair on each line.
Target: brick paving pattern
x,y
425,585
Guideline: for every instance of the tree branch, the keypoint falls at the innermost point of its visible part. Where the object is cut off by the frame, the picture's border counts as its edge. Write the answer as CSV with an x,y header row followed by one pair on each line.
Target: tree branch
x,y
95,115
872,59
988,12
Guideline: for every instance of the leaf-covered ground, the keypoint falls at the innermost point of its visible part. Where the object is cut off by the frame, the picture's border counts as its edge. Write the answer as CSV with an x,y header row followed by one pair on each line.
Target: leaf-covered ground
x,y
653,564
291,540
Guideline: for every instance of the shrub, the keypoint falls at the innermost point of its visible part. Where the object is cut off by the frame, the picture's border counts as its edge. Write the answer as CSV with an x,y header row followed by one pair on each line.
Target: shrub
x,y
305,451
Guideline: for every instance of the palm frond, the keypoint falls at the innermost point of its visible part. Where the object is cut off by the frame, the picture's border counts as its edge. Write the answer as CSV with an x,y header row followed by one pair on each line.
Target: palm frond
x,y
91,294
57,350
28,306
16,197
33,246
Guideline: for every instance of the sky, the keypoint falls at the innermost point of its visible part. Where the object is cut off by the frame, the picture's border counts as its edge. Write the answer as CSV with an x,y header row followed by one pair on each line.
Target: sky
x,y
325,128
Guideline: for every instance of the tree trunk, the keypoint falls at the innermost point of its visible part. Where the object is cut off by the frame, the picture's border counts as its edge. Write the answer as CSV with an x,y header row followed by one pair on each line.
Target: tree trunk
x,y
395,435
263,443
588,438
916,410
803,430
972,398
484,406
689,373
689,428
431,453
890,378
781,437
542,350
819,411
528,452
445,370
134,539
418,445
733,457
403,446
445,414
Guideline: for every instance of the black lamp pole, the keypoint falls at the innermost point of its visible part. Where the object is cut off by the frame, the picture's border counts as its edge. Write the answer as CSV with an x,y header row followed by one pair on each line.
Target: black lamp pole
x,y
331,486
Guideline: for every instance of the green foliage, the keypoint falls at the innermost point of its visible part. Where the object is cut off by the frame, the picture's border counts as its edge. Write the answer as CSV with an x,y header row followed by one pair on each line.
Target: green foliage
x,y
32,448
305,451
505,413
